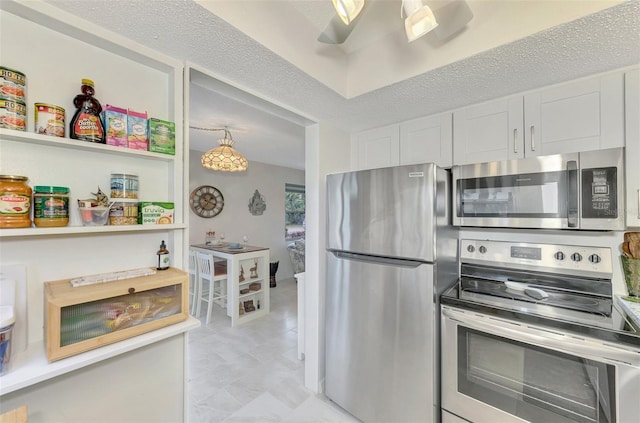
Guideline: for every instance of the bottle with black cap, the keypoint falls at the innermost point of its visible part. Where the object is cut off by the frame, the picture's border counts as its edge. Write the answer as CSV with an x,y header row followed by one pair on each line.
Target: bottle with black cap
x,y
163,257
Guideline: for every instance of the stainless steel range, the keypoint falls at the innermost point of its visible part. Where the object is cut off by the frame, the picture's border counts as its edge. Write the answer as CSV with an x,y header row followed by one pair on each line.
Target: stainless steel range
x,y
532,332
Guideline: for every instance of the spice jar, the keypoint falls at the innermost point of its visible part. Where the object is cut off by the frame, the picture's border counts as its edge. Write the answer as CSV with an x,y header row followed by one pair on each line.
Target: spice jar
x,y
15,202
50,206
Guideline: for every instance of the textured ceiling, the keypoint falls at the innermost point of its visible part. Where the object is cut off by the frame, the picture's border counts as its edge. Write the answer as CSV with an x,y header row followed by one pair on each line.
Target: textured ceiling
x,y
185,30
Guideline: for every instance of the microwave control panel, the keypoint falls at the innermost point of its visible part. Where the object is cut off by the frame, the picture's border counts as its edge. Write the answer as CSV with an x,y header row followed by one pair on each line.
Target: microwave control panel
x,y
599,192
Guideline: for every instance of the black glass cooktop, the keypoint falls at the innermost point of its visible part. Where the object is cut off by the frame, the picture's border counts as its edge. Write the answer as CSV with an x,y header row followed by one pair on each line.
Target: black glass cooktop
x,y
614,326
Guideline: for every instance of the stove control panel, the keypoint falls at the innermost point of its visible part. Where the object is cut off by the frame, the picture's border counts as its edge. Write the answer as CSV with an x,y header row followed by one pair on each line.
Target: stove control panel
x,y
568,259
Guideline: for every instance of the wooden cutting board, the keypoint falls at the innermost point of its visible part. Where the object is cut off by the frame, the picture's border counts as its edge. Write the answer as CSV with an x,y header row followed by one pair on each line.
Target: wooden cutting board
x,y
19,415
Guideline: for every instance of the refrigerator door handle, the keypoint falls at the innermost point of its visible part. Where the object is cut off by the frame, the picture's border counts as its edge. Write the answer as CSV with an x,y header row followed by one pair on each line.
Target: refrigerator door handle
x,y
377,260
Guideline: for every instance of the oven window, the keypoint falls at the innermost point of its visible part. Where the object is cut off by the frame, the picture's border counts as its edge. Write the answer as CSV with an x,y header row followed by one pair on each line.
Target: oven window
x,y
534,383
535,195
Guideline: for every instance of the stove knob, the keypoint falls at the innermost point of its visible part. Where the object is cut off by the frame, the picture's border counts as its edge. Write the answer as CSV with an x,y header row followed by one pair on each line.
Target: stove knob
x,y
482,249
594,258
576,257
559,256
471,248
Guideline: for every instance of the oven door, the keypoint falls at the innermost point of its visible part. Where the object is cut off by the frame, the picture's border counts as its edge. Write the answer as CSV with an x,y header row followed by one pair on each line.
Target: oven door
x,y
498,370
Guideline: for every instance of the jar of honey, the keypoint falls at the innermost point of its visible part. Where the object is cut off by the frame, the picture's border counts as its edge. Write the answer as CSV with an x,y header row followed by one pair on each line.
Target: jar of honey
x,y
15,202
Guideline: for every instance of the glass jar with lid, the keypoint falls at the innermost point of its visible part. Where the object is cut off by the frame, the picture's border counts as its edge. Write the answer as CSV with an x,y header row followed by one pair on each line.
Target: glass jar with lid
x,y
50,206
15,202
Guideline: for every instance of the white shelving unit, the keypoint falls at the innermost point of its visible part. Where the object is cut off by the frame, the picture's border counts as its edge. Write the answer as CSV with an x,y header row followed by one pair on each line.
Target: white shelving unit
x,y
239,263
259,297
56,50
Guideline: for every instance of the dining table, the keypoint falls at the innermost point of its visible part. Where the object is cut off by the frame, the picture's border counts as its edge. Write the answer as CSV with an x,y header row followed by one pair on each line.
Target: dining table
x,y
247,278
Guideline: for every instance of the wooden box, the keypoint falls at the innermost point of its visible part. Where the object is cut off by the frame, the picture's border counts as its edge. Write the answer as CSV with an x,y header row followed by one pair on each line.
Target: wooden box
x,y
87,317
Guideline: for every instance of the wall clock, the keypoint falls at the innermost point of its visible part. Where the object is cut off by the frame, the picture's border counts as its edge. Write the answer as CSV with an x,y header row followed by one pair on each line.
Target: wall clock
x,y
206,201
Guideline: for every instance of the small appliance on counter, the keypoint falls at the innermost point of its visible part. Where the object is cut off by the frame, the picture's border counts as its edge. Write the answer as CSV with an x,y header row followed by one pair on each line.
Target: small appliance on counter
x,y
7,320
13,313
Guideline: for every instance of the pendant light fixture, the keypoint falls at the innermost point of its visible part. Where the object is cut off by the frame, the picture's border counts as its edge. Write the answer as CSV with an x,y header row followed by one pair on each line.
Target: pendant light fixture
x,y
348,9
420,19
223,158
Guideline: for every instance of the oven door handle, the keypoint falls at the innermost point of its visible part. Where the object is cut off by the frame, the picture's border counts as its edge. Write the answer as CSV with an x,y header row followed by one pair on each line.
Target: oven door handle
x,y
547,338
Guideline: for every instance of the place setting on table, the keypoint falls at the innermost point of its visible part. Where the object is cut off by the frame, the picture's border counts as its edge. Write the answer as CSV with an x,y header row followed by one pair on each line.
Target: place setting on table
x,y
219,244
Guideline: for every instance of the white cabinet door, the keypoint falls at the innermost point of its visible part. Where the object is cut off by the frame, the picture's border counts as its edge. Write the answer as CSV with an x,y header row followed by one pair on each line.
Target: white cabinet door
x,y
487,132
376,148
632,132
579,116
427,140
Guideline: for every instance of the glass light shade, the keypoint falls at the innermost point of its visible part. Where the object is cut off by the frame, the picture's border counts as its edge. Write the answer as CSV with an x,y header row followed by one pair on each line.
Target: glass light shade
x,y
420,19
348,9
224,158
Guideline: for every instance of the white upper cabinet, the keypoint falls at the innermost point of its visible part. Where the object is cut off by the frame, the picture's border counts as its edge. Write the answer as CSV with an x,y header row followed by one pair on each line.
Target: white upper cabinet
x,y
423,140
632,133
489,131
427,140
375,148
582,115
579,116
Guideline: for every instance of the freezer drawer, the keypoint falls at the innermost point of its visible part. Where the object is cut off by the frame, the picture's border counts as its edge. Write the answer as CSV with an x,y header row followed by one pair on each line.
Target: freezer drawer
x,y
380,339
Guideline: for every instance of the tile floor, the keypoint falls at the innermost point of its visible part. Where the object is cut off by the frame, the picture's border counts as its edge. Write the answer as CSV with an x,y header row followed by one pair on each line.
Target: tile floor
x,y
251,373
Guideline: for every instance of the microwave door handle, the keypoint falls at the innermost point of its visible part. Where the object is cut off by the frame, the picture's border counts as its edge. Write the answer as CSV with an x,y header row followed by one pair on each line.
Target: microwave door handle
x,y
572,194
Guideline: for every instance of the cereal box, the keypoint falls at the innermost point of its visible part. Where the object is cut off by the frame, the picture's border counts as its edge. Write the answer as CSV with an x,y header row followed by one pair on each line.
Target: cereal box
x,y
114,120
137,130
162,136
155,213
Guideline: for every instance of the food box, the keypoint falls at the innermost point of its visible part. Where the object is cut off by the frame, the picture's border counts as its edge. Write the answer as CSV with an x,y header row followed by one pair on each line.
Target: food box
x,y
137,130
162,136
82,318
155,213
114,120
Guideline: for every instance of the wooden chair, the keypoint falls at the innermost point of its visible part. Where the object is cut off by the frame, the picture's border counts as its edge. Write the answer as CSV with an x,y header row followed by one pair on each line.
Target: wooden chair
x,y
215,275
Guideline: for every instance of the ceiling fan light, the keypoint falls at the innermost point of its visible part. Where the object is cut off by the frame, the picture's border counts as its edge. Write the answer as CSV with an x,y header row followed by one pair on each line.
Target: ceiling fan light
x,y
420,19
348,9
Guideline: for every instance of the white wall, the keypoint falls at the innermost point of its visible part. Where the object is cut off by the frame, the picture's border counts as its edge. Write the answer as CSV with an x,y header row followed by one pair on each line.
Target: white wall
x,y
235,220
322,143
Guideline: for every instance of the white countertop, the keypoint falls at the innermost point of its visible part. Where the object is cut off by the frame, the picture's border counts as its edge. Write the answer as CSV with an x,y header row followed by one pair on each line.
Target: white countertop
x,y
631,308
31,366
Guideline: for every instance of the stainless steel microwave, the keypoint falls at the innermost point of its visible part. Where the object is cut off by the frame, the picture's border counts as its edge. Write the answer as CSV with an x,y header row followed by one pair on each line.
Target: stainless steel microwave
x,y
562,191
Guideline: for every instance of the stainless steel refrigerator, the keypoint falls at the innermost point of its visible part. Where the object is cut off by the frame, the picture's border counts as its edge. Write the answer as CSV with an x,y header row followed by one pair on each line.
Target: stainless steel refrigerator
x,y
391,251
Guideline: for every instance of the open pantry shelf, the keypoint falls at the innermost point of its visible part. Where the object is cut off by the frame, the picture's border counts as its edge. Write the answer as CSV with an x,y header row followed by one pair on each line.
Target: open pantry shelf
x,y
80,230
48,140
126,75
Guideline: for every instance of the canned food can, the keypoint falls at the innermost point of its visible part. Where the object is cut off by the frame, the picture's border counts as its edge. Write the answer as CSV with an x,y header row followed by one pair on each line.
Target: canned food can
x,y
49,120
13,85
13,115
